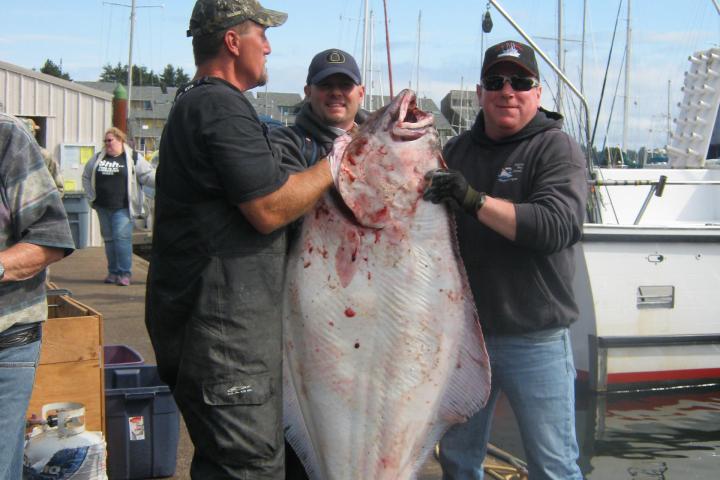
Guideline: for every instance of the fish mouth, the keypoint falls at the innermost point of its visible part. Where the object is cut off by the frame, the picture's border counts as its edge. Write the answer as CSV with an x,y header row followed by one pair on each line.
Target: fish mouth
x,y
408,121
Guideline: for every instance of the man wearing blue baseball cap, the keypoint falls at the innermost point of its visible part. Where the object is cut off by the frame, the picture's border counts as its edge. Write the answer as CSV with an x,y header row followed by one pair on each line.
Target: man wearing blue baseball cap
x,y
333,94
214,296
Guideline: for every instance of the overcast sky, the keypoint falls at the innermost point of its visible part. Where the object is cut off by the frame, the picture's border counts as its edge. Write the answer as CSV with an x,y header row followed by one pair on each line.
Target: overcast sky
x,y
87,34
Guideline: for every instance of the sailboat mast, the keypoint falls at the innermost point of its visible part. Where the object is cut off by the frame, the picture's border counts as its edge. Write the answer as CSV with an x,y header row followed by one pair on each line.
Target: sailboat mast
x,y
130,64
371,62
669,133
582,50
387,45
417,68
365,51
628,50
561,65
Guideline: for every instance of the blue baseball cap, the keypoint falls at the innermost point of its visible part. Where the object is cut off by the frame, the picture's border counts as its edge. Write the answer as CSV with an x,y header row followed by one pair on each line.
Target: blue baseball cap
x,y
330,62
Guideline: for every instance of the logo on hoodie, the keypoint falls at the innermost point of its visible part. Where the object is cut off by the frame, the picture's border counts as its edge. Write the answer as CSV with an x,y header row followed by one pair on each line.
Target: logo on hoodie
x,y
510,174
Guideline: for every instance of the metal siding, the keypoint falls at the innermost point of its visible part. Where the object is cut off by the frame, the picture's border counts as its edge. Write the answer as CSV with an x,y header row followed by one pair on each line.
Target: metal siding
x,y
85,119
42,99
58,106
4,74
27,106
71,116
12,105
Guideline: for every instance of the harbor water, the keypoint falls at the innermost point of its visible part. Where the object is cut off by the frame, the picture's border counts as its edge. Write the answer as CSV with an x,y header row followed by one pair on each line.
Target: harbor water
x,y
660,435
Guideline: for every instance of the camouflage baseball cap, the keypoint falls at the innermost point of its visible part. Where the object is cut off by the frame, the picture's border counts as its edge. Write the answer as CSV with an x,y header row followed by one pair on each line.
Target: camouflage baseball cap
x,y
210,16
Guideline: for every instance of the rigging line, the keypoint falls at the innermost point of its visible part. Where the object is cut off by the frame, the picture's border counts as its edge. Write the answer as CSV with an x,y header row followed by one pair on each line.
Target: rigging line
x,y
387,44
573,117
568,114
607,67
612,106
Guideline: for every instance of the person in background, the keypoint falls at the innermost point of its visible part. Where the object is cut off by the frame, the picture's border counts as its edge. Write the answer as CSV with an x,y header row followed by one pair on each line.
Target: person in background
x,y
214,293
50,162
333,94
521,184
34,232
113,179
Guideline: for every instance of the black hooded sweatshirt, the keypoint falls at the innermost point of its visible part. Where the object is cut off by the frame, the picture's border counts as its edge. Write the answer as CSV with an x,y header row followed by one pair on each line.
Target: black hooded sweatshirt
x,y
525,285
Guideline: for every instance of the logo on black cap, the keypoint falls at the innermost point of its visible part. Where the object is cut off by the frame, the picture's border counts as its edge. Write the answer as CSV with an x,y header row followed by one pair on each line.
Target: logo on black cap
x,y
335,57
511,50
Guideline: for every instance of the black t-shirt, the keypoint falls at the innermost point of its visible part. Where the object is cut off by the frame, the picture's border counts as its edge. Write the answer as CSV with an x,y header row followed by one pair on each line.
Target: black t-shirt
x,y
111,182
214,155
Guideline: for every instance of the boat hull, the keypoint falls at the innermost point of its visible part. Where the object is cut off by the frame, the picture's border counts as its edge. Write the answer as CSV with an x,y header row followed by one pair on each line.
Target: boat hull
x,y
649,312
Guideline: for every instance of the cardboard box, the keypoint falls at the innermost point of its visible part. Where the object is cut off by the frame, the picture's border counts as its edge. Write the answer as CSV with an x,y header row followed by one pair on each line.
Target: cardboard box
x,y
71,364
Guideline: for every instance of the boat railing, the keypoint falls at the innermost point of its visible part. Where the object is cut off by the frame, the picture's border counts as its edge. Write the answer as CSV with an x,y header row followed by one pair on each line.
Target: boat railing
x,y
600,345
657,188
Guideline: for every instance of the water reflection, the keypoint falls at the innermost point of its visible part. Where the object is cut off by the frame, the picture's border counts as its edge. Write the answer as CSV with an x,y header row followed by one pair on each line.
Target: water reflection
x,y
660,435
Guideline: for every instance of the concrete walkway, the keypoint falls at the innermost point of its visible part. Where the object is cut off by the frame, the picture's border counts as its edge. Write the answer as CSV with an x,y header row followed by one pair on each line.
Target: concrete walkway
x,y
123,310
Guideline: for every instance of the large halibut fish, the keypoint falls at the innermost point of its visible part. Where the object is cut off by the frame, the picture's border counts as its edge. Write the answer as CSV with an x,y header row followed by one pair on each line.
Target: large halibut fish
x,y
383,350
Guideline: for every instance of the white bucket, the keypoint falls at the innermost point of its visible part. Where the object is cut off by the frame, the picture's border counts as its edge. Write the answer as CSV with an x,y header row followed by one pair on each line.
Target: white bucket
x,y
62,449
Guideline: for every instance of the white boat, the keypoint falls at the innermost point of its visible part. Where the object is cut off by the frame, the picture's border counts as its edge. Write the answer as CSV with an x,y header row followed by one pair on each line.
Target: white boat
x,y
649,316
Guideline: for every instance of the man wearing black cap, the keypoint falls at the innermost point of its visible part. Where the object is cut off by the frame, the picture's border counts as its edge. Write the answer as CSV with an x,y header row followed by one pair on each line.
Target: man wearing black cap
x,y
518,242
213,307
333,94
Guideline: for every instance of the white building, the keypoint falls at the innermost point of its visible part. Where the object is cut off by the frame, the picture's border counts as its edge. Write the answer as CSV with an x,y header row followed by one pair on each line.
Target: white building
x,y
72,120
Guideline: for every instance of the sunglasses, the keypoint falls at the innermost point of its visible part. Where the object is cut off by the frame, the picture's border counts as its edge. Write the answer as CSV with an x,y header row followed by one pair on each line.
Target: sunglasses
x,y
108,140
494,83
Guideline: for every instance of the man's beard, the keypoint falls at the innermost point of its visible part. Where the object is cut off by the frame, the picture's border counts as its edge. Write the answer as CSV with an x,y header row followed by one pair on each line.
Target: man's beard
x,y
263,78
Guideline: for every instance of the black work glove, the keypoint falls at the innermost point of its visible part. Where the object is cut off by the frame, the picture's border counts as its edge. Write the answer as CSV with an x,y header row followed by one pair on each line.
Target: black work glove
x,y
449,186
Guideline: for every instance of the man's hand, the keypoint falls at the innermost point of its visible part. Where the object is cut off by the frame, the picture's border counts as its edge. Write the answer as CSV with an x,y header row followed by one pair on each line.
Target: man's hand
x,y
336,154
449,186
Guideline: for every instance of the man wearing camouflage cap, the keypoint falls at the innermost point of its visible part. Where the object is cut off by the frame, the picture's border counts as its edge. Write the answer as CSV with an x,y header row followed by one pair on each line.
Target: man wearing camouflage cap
x,y
214,297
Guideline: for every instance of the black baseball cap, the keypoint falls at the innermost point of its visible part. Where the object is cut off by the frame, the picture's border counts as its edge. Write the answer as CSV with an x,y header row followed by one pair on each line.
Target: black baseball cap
x,y
513,52
330,62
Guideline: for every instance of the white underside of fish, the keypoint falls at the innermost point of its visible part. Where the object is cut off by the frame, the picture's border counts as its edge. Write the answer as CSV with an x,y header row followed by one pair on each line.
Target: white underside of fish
x,y
383,350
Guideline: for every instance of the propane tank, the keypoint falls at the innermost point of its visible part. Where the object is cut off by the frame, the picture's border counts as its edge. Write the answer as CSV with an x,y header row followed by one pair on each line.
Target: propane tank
x,y
61,448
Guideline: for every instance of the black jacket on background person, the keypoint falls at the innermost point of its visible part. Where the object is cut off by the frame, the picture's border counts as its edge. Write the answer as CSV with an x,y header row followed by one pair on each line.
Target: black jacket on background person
x,y
525,285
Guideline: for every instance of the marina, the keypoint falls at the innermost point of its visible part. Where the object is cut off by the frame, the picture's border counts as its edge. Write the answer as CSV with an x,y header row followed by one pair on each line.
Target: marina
x,y
647,345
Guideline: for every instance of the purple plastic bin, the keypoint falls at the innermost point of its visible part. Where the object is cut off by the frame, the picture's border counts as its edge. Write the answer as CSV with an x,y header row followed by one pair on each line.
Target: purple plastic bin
x,y
121,356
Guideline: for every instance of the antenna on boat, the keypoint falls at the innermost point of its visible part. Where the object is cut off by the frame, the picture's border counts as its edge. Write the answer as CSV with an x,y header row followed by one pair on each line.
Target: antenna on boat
x,y
387,44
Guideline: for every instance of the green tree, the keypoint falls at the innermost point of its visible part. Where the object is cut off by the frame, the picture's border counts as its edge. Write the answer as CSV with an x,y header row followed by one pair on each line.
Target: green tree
x,y
181,78
118,74
172,77
51,68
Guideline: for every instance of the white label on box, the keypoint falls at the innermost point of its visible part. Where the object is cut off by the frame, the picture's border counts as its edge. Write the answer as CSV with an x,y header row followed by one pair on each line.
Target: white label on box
x,y
137,428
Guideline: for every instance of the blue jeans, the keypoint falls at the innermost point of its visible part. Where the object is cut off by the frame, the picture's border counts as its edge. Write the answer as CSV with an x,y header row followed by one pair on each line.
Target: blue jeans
x,y
17,375
116,228
536,373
